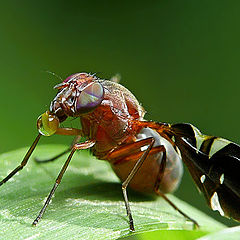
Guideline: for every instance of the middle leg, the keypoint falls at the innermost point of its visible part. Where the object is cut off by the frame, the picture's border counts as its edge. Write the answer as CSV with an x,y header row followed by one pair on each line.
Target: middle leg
x,y
130,177
75,140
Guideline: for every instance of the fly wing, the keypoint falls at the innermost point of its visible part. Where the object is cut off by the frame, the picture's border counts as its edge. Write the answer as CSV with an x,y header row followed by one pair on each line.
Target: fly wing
x,y
214,164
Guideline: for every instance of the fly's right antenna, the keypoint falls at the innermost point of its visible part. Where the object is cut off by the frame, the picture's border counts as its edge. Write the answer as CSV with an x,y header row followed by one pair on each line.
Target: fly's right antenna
x,y
54,74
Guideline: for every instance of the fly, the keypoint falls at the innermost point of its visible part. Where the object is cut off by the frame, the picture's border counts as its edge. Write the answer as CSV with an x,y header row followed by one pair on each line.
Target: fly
x,y
146,155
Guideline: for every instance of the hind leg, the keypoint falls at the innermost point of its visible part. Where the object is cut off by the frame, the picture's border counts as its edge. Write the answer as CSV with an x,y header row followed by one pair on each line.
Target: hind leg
x,y
161,194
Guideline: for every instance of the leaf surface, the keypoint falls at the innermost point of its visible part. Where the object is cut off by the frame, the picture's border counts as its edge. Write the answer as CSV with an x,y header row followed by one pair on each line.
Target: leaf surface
x,y
88,203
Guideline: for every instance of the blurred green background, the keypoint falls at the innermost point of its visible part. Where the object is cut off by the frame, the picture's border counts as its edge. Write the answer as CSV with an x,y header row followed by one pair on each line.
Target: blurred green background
x,y
180,58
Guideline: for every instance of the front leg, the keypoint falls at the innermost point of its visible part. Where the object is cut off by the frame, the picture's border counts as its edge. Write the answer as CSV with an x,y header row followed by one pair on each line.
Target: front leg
x,y
85,145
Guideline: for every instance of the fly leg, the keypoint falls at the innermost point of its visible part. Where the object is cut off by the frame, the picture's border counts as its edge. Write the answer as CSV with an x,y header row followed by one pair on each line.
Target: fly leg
x,y
85,145
60,131
160,193
24,161
121,154
130,177
37,160
76,139
163,129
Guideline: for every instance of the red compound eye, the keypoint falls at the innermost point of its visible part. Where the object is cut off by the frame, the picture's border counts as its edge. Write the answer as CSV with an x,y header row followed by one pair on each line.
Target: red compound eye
x,y
90,97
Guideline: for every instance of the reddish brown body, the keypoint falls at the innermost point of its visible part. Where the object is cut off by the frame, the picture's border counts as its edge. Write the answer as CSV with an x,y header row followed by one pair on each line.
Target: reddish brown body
x,y
114,125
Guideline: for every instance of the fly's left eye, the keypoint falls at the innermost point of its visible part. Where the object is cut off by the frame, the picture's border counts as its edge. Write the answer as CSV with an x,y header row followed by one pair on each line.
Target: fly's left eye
x,y
90,98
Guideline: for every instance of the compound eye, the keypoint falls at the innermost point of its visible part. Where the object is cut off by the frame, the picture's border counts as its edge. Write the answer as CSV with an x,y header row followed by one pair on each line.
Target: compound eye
x,y
90,98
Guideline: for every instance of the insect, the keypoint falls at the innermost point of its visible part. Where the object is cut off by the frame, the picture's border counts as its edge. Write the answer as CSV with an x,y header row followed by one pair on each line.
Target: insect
x,y
146,155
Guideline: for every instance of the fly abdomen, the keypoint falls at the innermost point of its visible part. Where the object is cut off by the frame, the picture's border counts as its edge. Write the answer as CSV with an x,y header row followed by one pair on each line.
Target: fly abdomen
x,y
147,176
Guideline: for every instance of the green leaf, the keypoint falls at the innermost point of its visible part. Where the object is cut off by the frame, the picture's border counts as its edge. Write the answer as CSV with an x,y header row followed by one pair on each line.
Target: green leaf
x,y
88,204
225,234
168,235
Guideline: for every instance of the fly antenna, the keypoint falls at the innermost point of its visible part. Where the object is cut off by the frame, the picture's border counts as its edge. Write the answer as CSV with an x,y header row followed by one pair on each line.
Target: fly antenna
x,y
54,74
